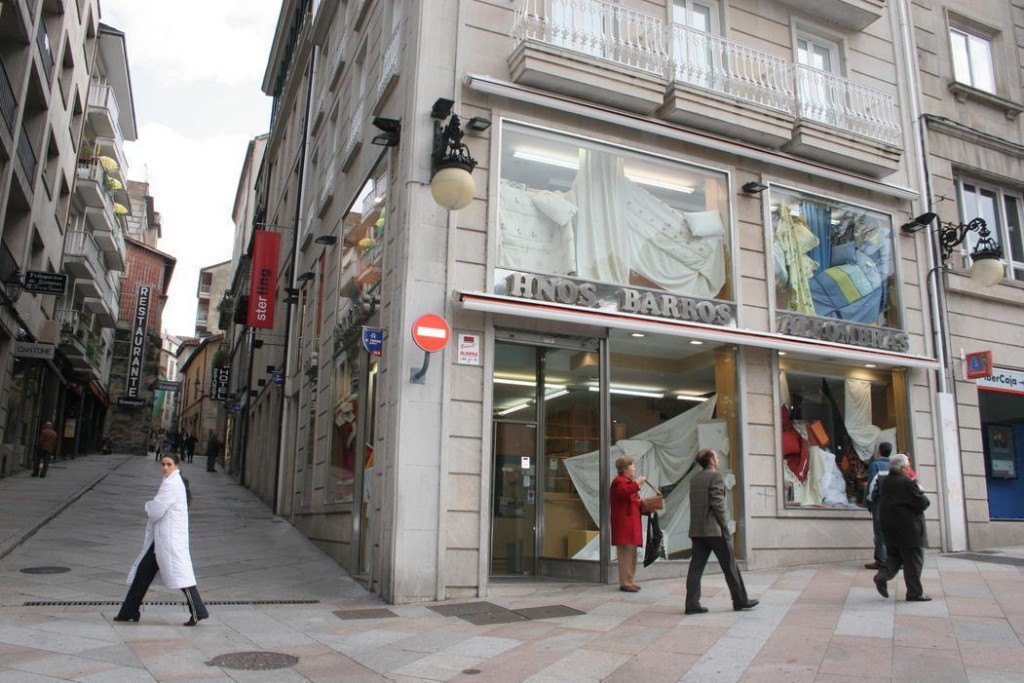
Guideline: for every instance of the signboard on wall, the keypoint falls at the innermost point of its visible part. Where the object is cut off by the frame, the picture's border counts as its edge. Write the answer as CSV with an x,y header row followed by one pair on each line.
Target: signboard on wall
x,y
220,380
978,365
33,350
263,279
41,282
1003,380
136,356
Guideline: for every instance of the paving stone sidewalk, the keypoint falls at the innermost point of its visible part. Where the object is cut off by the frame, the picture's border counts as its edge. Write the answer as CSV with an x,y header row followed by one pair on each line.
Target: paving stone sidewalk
x,y
819,623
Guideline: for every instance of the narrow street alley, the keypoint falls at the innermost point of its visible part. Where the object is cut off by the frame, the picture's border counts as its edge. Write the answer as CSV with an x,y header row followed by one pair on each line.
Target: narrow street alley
x,y
820,623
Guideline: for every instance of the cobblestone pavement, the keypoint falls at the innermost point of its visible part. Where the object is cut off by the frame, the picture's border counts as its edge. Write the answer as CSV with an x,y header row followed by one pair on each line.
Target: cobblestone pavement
x,y
819,623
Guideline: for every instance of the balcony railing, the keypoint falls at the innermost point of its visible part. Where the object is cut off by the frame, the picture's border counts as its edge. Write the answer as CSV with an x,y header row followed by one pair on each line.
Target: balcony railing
x,y
327,191
388,69
204,290
43,41
596,28
355,136
103,96
80,243
843,104
8,103
724,66
26,156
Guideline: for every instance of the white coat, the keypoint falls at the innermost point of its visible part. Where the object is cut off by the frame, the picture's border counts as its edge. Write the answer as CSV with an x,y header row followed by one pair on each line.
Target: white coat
x,y
167,529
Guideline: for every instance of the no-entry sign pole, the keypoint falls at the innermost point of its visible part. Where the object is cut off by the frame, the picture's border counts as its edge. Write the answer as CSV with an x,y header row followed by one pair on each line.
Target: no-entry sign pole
x,y
431,333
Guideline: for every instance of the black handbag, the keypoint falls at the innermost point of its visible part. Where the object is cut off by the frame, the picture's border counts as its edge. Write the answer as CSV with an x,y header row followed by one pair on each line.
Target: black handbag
x,y
655,547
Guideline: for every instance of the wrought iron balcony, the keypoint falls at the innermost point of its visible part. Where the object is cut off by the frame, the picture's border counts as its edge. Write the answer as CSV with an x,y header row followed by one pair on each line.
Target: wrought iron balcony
x,y
596,28
8,103
26,156
841,103
725,66
45,54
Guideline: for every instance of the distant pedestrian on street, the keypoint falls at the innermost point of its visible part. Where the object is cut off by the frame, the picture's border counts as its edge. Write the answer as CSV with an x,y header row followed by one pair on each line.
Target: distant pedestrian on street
x,y
903,506
191,446
46,446
212,451
877,471
709,533
165,550
625,520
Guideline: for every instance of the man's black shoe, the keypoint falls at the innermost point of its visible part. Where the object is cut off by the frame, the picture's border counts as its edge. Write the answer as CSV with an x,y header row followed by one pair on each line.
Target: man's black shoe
x,y
883,590
749,604
919,598
696,610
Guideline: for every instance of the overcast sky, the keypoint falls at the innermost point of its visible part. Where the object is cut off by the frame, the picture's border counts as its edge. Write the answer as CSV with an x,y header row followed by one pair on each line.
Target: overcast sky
x,y
196,68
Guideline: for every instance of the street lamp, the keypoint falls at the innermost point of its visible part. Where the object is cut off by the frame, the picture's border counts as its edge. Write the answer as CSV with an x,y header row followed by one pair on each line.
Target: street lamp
x,y
451,166
14,285
986,263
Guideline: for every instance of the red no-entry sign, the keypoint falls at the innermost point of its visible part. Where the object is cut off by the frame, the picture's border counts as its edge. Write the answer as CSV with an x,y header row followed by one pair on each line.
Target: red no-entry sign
x,y
431,332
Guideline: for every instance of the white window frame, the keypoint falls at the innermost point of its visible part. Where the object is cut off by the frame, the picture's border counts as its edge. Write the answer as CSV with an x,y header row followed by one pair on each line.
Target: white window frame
x,y
1001,230
956,33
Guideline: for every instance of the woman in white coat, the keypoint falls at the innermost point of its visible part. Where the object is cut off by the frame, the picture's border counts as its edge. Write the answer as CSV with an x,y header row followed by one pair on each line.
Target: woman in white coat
x,y
165,550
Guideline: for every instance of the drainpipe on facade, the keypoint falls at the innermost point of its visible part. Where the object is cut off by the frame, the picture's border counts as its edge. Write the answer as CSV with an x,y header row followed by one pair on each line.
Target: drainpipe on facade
x,y
952,504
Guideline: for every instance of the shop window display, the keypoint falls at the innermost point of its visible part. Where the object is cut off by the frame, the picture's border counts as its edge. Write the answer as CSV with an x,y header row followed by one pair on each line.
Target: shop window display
x,y
601,213
832,419
833,259
362,249
669,400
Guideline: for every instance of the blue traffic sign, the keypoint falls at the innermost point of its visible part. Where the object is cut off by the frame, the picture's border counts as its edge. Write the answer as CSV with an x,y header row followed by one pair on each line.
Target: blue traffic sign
x,y
278,379
373,340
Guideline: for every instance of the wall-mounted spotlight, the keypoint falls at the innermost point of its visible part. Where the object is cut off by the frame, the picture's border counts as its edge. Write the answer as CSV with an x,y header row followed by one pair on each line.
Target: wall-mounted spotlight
x,y
291,291
478,124
271,369
451,166
305,277
919,223
391,132
290,300
257,343
326,239
754,187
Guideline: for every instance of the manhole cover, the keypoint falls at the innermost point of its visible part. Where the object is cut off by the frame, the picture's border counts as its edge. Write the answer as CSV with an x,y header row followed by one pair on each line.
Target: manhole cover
x,y
993,559
471,671
254,661
45,570
462,609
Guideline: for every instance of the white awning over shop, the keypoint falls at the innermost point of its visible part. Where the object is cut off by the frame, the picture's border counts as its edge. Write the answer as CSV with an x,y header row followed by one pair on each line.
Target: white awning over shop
x,y
543,310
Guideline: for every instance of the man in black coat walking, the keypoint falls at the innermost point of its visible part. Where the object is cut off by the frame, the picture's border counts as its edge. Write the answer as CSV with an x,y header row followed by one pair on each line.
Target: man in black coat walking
x,y
902,517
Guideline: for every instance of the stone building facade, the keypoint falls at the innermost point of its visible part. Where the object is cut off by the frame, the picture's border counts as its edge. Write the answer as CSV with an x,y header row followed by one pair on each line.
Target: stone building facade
x,y
686,232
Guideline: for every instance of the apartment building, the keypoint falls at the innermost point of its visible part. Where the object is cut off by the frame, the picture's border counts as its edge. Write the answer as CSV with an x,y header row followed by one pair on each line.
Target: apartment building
x,y
213,283
64,85
201,406
167,400
969,58
685,224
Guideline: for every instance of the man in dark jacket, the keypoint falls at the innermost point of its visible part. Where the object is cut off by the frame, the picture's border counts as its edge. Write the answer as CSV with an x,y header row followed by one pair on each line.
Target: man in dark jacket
x,y
877,471
902,513
709,533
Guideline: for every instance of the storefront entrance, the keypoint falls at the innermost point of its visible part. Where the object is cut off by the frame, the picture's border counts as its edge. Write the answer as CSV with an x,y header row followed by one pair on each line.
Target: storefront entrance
x,y
1002,426
546,409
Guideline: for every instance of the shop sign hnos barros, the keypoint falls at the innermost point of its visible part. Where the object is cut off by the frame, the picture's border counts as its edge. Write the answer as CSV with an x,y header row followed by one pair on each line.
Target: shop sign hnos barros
x,y
841,332
618,299
135,354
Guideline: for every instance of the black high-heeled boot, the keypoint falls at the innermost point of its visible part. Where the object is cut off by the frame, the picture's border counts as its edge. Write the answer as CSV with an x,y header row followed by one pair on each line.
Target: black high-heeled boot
x,y
120,618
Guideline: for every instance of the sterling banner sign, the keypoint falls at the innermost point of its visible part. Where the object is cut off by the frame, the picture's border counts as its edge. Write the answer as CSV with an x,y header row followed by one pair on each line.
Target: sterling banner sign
x,y
263,279
138,345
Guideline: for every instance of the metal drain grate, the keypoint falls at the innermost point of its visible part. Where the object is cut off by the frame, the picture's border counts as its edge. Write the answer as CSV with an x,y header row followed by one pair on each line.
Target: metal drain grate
x,y
44,570
161,603
254,661
548,612
992,559
372,613
461,609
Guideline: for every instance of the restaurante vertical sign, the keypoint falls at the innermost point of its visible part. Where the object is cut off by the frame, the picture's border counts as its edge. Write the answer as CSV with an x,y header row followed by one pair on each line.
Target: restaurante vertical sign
x,y
263,279
138,342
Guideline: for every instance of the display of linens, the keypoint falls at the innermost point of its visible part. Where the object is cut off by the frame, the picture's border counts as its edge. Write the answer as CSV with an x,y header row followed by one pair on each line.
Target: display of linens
x,y
797,240
602,240
863,434
536,230
665,251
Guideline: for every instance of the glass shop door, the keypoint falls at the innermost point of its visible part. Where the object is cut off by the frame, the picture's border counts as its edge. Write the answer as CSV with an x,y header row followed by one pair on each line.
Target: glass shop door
x,y
548,483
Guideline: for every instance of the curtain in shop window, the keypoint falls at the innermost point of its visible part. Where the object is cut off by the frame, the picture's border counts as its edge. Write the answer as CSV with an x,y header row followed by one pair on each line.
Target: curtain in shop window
x,y
664,454
819,220
602,243
863,434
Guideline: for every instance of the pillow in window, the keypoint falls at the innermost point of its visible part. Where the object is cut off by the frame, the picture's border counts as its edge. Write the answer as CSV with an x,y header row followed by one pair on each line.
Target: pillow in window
x,y
843,254
705,223
555,206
